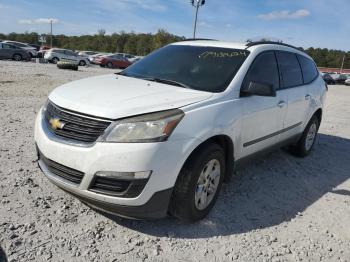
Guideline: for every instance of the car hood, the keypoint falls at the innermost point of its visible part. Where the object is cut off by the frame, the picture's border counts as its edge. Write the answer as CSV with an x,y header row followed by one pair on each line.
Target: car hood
x,y
115,96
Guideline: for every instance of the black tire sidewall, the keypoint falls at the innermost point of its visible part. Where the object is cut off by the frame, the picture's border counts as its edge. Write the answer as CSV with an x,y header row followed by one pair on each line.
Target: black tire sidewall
x,y
18,55
193,169
302,151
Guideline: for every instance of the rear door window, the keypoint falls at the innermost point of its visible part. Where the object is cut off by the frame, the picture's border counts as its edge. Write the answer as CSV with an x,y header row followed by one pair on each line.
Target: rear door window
x,y
290,69
310,72
263,70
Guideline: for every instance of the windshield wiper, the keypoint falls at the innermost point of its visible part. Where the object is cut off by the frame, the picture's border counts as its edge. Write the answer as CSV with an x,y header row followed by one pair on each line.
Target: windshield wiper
x,y
166,81
156,79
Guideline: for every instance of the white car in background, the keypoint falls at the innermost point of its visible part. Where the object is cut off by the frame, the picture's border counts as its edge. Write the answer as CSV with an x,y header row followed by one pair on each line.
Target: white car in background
x,y
31,50
56,54
87,53
347,82
92,57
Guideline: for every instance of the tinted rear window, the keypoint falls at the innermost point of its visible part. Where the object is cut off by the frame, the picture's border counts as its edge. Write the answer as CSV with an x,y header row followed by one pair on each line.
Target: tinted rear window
x,y
290,69
309,69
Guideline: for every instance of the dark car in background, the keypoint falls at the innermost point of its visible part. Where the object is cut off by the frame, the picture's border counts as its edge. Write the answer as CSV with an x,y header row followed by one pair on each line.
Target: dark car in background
x,y
10,51
112,61
328,79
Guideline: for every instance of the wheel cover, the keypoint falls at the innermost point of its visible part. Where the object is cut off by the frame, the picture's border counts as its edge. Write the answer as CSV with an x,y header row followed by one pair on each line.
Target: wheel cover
x,y
17,57
310,137
207,184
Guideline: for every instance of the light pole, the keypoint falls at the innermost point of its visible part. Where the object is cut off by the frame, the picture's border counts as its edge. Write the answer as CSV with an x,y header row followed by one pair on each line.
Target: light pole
x,y
196,4
342,64
51,33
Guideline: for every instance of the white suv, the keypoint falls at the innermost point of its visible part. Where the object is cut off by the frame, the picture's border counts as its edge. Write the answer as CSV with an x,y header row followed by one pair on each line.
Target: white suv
x,y
56,54
161,136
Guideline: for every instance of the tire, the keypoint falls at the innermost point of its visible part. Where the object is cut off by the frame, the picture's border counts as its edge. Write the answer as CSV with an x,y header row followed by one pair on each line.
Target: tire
x,y
17,57
307,139
55,60
184,203
109,65
67,65
82,63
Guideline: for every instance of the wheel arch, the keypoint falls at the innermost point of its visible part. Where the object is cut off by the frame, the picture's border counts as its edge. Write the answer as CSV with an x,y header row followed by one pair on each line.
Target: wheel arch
x,y
318,114
226,143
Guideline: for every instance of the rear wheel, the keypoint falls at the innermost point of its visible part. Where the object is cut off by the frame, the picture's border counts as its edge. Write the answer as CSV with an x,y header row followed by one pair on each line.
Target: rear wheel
x,y
17,57
82,63
109,65
198,184
307,139
55,60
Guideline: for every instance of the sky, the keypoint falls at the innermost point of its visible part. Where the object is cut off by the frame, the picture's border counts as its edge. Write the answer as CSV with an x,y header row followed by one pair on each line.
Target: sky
x,y
306,23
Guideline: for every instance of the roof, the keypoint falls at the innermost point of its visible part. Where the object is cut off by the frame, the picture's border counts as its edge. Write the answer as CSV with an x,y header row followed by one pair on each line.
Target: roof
x,y
212,43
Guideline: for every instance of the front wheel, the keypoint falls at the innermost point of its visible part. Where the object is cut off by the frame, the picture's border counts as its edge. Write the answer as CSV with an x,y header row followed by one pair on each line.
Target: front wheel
x,y
82,63
17,57
198,184
109,65
307,139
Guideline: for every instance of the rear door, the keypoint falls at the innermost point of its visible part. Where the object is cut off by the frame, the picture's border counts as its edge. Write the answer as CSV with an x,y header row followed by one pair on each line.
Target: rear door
x,y
262,117
293,85
70,55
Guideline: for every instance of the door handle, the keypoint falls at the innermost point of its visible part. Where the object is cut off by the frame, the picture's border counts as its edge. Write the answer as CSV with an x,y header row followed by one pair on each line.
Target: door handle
x,y
307,97
281,104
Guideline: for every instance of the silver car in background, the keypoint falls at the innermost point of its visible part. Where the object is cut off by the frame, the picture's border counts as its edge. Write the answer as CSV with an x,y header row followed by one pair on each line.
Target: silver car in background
x,y
9,51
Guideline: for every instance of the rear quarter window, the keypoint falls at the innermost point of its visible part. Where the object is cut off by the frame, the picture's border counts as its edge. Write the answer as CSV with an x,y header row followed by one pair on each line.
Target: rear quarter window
x,y
309,69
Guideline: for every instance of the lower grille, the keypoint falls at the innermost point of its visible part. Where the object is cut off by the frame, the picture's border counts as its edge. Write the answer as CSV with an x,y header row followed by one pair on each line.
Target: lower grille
x,y
117,187
64,172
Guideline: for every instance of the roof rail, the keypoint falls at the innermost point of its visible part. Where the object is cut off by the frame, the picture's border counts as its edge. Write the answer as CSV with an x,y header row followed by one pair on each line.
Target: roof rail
x,y
198,39
250,44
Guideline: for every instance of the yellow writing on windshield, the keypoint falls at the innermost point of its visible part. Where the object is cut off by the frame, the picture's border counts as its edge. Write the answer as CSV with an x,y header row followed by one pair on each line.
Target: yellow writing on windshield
x,y
211,54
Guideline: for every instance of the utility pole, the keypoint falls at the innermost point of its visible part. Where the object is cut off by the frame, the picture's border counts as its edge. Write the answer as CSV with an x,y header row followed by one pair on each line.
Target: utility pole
x,y
51,33
342,64
196,4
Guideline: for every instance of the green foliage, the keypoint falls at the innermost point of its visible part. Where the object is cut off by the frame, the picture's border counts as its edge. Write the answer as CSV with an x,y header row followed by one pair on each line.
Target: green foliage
x,y
143,44
329,58
138,44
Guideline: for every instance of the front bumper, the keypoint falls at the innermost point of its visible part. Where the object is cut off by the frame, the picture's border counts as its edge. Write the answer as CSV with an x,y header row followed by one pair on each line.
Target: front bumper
x,y
163,159
155,207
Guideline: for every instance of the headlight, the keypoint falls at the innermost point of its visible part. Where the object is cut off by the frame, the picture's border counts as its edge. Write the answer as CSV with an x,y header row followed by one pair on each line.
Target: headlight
x,y
153,127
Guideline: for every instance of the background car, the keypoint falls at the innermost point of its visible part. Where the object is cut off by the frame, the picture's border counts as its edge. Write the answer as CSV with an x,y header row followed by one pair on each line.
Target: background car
x,y
328,79
339,78
87,53
113,61
31,50
9,51
347,82
93,57
43,50
56,54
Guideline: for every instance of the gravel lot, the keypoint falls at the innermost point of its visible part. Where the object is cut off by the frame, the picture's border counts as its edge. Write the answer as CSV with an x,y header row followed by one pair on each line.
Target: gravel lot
x,y
279,209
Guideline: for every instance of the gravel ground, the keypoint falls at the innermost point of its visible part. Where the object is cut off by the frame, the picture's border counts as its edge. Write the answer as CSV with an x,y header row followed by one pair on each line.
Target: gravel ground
x,y
280,208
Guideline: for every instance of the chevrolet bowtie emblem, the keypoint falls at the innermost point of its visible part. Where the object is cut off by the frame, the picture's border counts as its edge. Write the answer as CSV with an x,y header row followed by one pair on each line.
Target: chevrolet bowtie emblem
x,y
56,123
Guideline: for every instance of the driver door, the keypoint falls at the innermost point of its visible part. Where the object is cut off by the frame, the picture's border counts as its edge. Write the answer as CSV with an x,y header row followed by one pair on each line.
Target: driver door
x,y
262,116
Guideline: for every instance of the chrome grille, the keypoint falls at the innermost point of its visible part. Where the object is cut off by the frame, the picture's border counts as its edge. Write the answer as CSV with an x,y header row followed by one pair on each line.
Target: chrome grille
x,y
75,127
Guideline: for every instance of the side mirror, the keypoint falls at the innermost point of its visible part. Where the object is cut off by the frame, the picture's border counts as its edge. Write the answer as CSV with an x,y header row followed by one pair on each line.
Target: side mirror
x,y
258,89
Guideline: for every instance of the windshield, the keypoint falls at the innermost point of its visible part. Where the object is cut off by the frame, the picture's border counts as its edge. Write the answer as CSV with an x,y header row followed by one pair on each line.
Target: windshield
x,y
198,67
